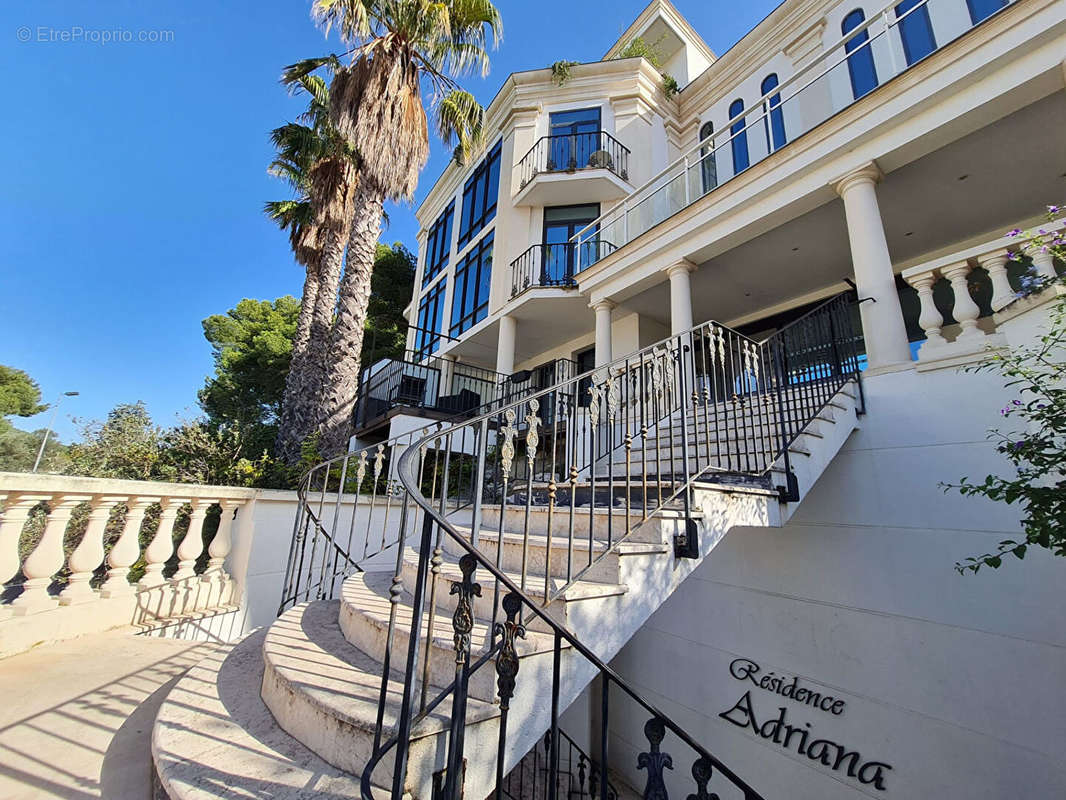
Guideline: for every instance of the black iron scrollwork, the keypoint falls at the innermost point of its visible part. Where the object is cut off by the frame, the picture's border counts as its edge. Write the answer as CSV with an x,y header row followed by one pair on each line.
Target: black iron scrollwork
x,y
655,761
463,619
507,660
701,773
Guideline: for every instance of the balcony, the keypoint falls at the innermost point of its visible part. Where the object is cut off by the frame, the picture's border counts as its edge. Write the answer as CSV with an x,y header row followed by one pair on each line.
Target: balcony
x,y
555,265
573,168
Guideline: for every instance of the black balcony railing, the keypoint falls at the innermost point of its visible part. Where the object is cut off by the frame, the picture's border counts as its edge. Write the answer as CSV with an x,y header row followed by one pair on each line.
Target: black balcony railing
x,y
555,264
575,151
425,384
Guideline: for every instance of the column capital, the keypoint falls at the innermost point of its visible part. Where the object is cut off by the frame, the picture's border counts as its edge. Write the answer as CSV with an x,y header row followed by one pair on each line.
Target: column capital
x,y
606,304
683,266
996,257
869,172
959,269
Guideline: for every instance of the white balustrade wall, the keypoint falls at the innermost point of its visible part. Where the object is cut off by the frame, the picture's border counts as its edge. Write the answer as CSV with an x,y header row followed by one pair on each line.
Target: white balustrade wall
x,y
971,336
58,585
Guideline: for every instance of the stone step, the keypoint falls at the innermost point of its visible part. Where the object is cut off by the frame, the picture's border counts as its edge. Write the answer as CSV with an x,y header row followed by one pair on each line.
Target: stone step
x,y
215,739
585,518
324,693
364,620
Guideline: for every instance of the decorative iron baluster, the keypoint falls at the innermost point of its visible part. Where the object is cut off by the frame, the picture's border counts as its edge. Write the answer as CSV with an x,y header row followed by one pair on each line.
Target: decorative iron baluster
x,y
655,761
463,618
506,672
532,439
701,773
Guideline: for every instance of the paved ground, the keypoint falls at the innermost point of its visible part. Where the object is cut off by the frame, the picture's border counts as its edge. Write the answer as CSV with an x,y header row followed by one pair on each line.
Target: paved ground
x,y
76,717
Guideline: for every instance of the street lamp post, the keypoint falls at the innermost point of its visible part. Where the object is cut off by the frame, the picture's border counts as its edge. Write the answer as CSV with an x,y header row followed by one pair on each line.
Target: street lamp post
x,y
48,430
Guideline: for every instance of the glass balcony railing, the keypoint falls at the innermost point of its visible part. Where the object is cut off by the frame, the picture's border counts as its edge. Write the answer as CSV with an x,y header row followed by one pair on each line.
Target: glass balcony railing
x,y
872,52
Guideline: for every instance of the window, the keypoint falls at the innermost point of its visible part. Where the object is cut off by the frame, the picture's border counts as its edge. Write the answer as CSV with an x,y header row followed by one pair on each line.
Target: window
x,y
983,9
575,137
586,360
915,30
775,125
739,142
439,244
430,318
470,298
708,167
560,261
860,58
479,196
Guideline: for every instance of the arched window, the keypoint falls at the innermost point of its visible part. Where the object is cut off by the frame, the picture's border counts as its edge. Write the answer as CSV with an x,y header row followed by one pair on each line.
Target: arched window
x,y
915,30
860,59
740,137
982,9
775,125
708,167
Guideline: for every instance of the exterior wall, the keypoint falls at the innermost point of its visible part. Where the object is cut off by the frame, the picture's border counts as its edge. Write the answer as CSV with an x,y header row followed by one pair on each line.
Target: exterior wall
x,y
954,681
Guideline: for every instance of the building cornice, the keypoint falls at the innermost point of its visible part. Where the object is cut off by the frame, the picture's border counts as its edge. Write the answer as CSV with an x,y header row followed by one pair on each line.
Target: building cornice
x,y
666,10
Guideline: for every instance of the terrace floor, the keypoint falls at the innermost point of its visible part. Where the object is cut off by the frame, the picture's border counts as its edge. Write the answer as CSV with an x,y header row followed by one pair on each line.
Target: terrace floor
x,y
76,717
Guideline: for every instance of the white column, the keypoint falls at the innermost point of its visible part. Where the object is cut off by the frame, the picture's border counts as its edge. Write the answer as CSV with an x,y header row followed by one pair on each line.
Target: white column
x,y
603,309
161,548
996,265
221,544
89,553
882,321
16,512
680,296
125,551
930,320
46,558
506,345
965,309
447,371
193,542
1044,265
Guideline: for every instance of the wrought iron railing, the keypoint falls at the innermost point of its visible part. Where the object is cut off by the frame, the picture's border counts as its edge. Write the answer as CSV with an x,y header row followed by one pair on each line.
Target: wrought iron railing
x,y
575,151
688,410
555,264
422,383
773,117
576,775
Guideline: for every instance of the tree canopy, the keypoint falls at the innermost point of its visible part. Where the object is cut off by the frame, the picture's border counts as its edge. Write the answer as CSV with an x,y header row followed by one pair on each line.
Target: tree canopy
x,y
19,394
390,292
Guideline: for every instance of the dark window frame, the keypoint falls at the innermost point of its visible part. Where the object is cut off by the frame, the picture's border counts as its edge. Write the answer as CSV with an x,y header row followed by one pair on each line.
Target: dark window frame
x,y
473,274
860,55
439,245
708,162
776,137
738,143
481,196
430,320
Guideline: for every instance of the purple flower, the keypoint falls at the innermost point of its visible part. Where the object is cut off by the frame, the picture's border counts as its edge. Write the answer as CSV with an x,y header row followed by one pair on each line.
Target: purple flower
x,y
1015,232
1053,209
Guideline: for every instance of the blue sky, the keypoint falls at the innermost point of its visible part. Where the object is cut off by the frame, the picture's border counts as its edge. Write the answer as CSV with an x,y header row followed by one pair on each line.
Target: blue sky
x,y
136,172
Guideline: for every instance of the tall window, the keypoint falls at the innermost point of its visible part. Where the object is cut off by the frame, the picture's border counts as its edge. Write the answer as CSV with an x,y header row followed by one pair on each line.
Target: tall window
x,y
775,125
479,196
470,296
982,9
560,261
740,137
438,245
860,58
430,318
575,137
915,30
708,168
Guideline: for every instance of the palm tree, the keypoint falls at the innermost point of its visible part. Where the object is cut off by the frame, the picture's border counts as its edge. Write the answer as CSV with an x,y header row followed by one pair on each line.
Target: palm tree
x,y
322,169
398,48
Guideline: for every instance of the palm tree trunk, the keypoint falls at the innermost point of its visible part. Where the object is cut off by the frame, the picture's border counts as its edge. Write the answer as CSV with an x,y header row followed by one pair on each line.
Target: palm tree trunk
x,y
346,343
303,385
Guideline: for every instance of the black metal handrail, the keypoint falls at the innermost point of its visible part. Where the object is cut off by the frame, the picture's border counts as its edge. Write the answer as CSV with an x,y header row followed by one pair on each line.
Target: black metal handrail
x,y
571,152
555,264
758,396
577,774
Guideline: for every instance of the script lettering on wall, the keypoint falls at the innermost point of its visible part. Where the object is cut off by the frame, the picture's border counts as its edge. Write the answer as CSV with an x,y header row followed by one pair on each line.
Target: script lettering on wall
x,y
799,737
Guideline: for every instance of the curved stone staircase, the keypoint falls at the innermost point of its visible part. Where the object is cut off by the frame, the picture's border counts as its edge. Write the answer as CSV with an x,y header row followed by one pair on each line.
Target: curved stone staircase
x,y
296,710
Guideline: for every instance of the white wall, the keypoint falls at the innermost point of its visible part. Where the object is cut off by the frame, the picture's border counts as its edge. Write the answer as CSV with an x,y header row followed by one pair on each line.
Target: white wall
x,y
955,681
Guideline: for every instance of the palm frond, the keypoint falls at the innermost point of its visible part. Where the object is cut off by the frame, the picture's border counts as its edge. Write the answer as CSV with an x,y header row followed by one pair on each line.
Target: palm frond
x,y
293,74
460,118
352,18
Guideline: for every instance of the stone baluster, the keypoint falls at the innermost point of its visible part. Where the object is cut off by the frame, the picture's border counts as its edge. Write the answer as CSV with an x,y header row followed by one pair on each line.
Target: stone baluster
x,y
89,553
965,310
996,265
221,544
125,551
193,543
1043,264
46,558
16,512
161,548
930,319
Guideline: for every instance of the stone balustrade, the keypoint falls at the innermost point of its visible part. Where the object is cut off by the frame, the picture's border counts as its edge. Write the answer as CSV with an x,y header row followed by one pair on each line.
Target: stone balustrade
x,y
971,335
60,582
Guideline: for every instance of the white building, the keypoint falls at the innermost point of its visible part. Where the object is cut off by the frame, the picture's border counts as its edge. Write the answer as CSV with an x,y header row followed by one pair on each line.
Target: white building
x,y
707,372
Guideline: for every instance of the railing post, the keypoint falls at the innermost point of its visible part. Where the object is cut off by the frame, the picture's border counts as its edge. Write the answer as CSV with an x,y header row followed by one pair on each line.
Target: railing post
x,y
888,40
